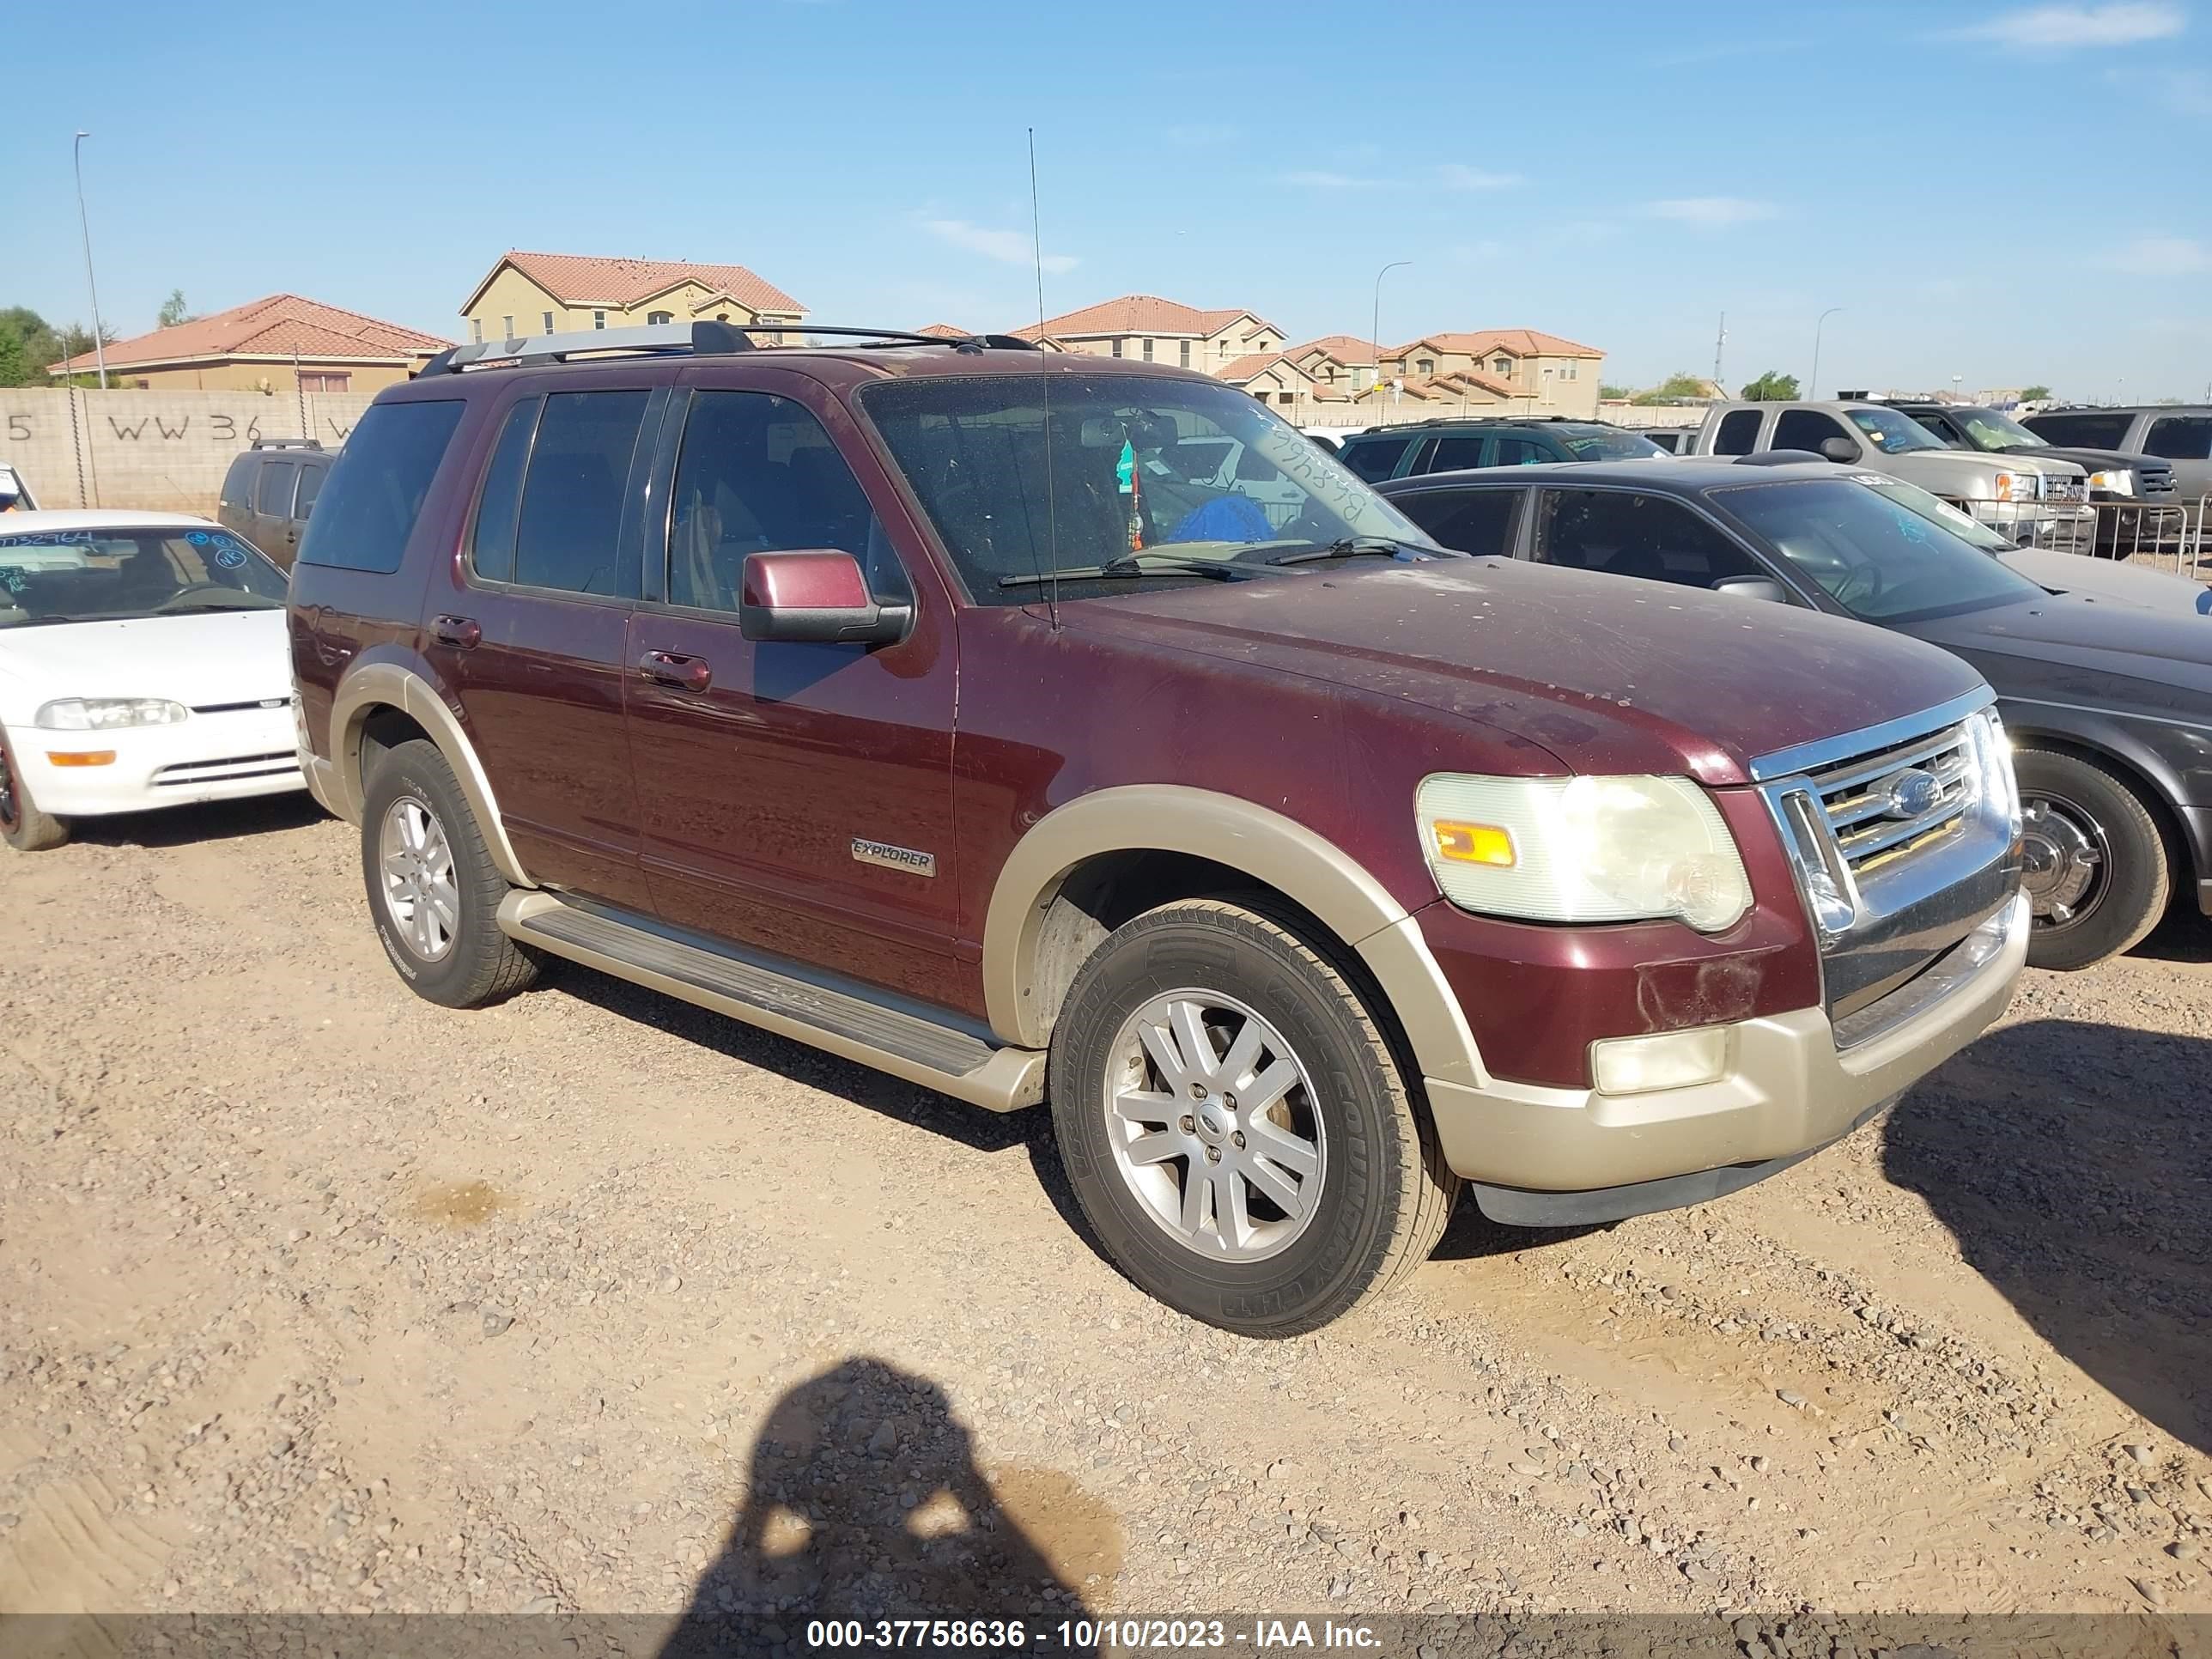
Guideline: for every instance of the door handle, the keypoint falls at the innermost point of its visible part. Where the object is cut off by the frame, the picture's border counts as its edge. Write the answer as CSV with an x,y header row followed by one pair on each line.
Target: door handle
x,y
461,631
666,668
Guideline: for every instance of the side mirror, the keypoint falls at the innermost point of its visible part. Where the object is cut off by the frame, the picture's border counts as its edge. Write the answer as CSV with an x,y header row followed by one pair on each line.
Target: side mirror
x,y
815,595
1752,587
1841,451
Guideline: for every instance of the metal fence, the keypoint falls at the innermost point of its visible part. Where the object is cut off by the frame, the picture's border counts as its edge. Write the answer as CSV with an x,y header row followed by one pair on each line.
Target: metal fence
x,y
2152,532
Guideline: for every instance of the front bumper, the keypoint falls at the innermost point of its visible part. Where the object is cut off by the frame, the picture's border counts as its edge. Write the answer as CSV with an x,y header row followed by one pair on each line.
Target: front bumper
x,y
219,757
1550,1156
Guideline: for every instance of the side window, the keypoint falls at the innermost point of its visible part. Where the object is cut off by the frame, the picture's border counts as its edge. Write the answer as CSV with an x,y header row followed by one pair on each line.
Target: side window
x,y
377,487
491,538
568,532
1809,428
1477,521
2180,437
1450,454
1375,460
238,482
1629,534
1739,433
1944,428
757,474
273,493
1519,452
311,485
2089,429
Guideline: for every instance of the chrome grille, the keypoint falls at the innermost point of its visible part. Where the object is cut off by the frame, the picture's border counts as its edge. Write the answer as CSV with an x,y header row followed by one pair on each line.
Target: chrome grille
x,y
2073,490
1865,799
2154,483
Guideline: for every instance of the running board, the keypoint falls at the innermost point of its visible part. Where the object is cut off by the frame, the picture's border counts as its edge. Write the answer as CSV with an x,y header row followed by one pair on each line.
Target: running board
x,y
875,1032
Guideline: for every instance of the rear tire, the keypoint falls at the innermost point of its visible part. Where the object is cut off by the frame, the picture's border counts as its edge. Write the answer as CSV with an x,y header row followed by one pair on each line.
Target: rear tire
x,y
24,825
433,893
1320,1188
2097,874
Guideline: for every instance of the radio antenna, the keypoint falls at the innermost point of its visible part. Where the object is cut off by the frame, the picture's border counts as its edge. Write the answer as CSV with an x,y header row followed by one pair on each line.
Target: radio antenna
x,y
1044,404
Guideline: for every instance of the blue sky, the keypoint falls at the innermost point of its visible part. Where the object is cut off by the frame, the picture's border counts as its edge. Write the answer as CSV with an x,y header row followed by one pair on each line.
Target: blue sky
x,y
2007,193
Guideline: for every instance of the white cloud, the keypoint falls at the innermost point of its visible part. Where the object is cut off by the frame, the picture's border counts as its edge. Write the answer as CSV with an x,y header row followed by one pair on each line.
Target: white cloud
x,y
2123,23
1454,176
2161,256
1008,248
1710,212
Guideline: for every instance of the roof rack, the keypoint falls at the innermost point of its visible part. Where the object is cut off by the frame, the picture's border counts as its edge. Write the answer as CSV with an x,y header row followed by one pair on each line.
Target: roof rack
x,y
702,338
287,443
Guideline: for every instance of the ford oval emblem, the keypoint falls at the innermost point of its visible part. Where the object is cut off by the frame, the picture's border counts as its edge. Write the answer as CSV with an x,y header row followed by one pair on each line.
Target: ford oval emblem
x,y
1912,792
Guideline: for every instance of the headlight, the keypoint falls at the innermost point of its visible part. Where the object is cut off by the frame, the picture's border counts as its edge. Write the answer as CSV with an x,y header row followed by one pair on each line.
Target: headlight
x,y
2120,481
1582,849
1993,748
2015,486
107,714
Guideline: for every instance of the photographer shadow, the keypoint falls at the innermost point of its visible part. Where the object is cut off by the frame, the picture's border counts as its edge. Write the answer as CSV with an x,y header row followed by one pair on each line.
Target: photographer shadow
x,y
864,1502
2073,1164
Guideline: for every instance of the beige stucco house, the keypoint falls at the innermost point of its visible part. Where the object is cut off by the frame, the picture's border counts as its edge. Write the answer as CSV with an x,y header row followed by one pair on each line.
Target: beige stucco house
x,y
280,343
1152,329
527,294
1533,373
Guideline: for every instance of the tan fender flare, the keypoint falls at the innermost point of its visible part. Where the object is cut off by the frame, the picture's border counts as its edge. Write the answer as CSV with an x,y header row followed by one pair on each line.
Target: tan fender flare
x,y
1274,850
388,684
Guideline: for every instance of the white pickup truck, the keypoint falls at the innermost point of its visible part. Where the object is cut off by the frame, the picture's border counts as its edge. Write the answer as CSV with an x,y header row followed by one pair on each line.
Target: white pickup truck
x,y
2035,502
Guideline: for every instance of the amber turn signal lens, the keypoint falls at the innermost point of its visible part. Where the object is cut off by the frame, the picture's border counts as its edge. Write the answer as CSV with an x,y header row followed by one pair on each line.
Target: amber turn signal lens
x,y
1473,844
83,758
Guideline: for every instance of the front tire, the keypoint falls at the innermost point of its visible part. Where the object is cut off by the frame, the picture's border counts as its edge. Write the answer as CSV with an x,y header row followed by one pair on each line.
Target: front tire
x,y
1235,1125
2097,877
433,893
23,825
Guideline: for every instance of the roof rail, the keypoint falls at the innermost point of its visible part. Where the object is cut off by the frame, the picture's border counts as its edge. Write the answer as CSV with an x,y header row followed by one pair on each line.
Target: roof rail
x,y
704,338
287,443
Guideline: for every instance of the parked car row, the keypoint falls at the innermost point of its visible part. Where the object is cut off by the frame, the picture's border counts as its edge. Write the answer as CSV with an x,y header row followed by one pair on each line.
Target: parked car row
x,y
1035,728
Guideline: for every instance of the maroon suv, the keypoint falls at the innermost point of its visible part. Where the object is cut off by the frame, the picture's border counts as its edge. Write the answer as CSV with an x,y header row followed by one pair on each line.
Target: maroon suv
x,y
1032,726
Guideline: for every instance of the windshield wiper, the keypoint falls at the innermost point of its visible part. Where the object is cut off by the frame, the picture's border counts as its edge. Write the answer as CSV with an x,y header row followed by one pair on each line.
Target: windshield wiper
x,y
1359,547
1130,569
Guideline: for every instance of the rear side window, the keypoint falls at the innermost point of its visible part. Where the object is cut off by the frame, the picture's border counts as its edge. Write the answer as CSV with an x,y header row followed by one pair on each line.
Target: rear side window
x,y
1652,537
1519,452
1477,521
2088,430
566,535
491,541
238,482
273,494
1809,428
1374,460
2180,437
377,488
311,485
1450,454
1739,433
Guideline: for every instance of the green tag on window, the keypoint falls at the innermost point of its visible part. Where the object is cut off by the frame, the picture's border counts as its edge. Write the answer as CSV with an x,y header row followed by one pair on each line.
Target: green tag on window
x,y
1125,470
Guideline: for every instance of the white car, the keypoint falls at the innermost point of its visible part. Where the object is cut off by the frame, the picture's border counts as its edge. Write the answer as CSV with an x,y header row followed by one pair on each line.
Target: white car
x,y
143,663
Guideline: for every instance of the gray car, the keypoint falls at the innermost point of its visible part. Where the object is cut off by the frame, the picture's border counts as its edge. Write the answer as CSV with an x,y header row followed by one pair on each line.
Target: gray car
x,y
2109,704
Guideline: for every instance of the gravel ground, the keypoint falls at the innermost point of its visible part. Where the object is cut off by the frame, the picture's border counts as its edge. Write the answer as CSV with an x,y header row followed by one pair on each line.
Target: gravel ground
x,y
314,1297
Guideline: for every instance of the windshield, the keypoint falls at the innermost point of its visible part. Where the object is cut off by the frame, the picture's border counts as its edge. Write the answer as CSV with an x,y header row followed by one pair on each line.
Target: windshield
x,y
1163,472
1989,430
109,575
1605,446
1877,557
1892,433
1914,498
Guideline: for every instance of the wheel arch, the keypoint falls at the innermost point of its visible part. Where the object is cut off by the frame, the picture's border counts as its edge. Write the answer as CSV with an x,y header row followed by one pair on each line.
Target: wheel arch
x,y
2106,743
380,703
1167,841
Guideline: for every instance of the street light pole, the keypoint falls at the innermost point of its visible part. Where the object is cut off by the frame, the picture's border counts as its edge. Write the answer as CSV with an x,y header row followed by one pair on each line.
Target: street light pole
x,y
1374,325
1812,384
98,345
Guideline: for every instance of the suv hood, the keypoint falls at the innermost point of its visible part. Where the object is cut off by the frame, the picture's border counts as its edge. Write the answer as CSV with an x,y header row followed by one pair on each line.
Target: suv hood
x,y
1945,470
2097,460
1607,673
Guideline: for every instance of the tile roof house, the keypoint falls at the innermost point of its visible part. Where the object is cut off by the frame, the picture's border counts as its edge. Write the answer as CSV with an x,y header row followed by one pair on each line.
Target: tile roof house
x,y
944,331
526,294
1153,330
283,341
1540,374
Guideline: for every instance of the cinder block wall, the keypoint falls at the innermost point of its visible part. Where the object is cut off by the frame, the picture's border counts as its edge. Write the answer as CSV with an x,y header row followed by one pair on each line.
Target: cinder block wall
x,y
164,450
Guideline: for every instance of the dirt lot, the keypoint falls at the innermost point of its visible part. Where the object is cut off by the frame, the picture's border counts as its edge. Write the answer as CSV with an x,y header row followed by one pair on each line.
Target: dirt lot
x,y
315,1297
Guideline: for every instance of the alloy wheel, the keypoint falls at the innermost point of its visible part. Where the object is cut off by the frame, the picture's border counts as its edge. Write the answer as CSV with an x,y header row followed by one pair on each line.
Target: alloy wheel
x,y
1214,1126
2069,858
414,863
